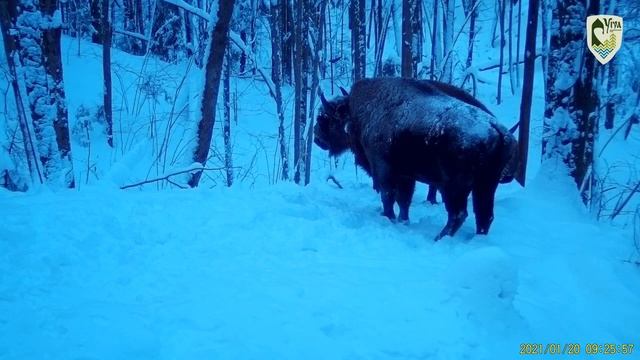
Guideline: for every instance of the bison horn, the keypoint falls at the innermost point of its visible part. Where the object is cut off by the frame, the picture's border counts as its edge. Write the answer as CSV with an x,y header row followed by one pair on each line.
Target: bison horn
x,y
325,103
344,92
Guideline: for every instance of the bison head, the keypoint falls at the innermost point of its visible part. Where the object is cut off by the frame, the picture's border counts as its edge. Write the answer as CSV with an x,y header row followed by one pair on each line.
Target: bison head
x,y
331,129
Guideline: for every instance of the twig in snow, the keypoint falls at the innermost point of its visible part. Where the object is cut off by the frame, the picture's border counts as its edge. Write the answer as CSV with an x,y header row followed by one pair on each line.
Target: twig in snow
x,y
335,181
166,177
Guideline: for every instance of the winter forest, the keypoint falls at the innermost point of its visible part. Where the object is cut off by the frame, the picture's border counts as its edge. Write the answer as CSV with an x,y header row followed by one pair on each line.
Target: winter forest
x,y
192,179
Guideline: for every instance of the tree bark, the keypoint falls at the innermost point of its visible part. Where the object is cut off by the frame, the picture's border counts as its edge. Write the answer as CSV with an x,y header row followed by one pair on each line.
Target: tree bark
x,y
226,99
39,50
527,90
569,126
301,68
6,19
501,11
276,77
213,68
447,40
106,70
357,19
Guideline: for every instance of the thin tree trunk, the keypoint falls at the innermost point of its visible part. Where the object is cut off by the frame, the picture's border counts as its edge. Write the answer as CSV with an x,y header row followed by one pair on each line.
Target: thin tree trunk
x,y
545,40
501,5
447,40
106,70
612,84
472,32
276,68
435,62
527,90
358,38
406,67
511,73
518,43
226,98
213,68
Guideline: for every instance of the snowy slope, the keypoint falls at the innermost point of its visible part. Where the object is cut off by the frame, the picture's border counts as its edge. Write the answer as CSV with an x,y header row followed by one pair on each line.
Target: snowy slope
x,y
290,272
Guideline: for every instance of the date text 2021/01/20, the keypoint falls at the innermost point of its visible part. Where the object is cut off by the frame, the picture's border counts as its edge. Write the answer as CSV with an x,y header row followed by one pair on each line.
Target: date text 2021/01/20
x,y
576,349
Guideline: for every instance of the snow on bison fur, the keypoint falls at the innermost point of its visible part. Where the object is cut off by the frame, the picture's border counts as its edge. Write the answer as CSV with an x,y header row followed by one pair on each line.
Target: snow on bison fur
x,y
403,130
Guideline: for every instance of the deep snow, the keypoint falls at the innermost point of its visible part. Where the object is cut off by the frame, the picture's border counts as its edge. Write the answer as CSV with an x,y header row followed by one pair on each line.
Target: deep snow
x,y
291,272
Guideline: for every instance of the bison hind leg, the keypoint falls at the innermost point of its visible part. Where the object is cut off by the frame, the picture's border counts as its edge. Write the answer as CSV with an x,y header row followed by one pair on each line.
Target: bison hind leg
x,y
483,201
455,201
431,196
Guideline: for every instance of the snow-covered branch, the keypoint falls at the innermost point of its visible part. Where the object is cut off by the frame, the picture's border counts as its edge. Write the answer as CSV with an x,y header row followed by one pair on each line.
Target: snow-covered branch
x,y
233,36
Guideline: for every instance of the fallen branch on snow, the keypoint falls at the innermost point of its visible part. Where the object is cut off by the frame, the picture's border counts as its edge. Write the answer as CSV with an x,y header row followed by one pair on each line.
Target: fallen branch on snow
x,y
167,177
335,181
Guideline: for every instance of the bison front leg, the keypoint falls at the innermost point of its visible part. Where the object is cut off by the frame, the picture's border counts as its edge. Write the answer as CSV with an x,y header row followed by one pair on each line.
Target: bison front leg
x,y
385,183
404,194
455,201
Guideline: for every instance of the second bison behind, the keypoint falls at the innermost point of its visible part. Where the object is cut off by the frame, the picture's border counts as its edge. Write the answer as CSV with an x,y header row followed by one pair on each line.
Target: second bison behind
x,y
402,131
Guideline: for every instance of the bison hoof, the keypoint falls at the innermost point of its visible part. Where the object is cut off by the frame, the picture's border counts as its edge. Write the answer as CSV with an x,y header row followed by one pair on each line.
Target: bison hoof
x,y
481,231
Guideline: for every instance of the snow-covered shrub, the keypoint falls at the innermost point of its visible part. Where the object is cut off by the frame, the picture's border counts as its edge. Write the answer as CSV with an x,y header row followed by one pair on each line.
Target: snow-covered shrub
x,y
86,120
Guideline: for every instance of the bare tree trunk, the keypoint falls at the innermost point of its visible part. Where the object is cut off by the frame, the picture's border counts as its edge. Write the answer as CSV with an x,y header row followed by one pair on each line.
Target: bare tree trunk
x,y
301,77
357,20
435,59
318,17
6,16
96,19
511,64
612,84
501,5
527,90
406,67
276,68
213,68
518,43
447,40
471,6
286,31
544,26
226,98
106,70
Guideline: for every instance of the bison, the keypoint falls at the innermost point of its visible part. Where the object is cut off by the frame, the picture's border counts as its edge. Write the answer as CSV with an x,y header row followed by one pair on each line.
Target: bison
x,y
404,130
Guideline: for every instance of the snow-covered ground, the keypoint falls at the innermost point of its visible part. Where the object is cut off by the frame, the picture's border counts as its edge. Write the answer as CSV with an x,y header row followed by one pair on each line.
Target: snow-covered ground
x,y
293,272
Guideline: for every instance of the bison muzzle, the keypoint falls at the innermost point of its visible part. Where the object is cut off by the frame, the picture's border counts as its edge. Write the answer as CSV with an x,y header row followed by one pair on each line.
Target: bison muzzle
x,y
403,130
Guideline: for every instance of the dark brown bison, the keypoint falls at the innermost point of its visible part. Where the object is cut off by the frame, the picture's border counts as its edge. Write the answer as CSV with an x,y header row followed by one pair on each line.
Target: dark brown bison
x,y
403,130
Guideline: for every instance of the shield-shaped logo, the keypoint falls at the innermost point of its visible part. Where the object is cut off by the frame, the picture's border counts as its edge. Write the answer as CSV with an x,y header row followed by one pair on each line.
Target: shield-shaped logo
x,y
604,36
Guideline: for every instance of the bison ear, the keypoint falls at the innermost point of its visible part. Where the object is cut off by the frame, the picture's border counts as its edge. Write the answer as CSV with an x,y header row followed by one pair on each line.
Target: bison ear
x,y
327,105
344,92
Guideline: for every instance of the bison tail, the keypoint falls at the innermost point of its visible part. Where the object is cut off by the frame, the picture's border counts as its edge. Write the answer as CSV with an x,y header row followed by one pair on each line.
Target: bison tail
x,y
508,155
